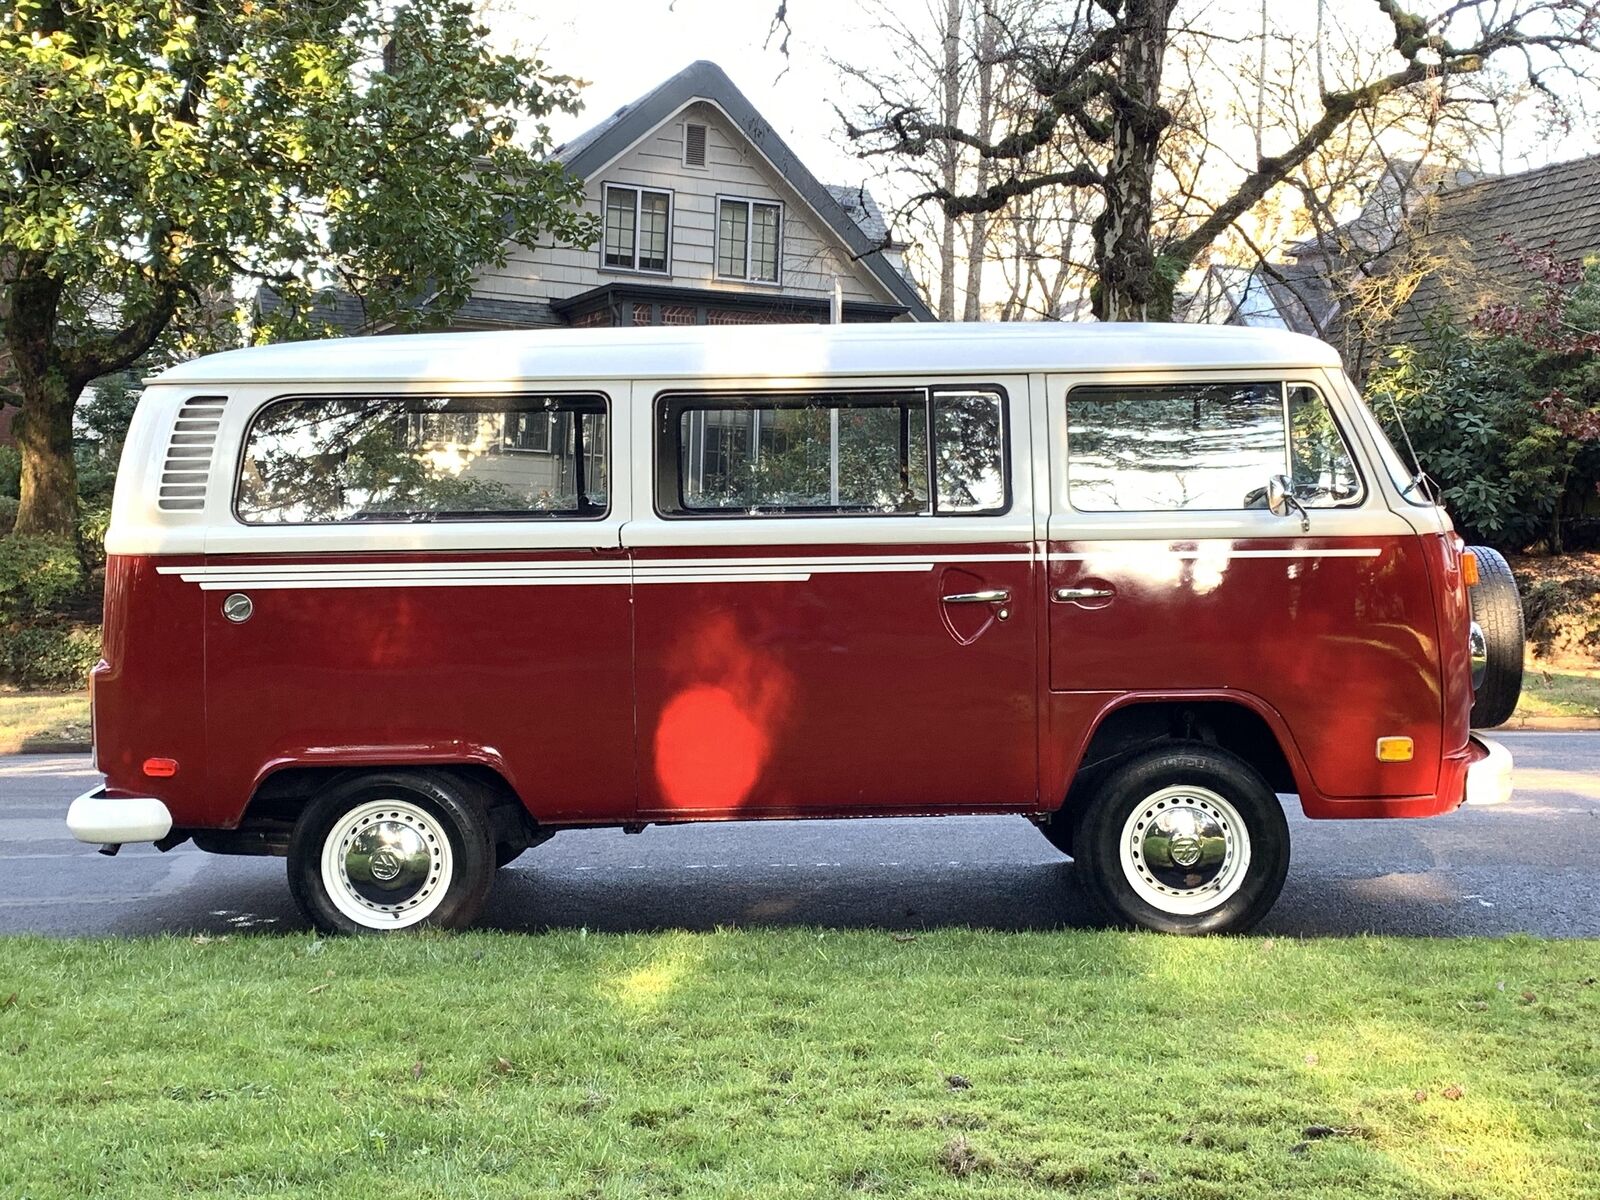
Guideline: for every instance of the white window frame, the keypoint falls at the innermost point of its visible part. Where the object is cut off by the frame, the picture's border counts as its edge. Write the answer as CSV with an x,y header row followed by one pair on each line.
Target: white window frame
x,y
706,147
638,191
750,204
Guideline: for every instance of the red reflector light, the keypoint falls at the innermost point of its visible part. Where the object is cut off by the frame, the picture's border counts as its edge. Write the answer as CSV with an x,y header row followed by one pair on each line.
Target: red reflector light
x,y
160,768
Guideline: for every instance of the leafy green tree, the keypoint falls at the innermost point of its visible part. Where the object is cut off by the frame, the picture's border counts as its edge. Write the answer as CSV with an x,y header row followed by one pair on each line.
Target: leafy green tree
x,y
161,155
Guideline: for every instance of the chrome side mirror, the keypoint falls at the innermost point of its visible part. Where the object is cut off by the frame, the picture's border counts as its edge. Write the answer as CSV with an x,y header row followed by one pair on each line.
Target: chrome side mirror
x,y
1281,501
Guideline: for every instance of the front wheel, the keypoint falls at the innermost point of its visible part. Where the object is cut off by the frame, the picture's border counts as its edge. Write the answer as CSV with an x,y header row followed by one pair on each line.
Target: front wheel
x,y
1185,839
392,850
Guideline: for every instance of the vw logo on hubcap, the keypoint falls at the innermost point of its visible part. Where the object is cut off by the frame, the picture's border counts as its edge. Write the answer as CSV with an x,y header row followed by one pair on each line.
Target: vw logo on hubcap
x,y
1184,849
386,864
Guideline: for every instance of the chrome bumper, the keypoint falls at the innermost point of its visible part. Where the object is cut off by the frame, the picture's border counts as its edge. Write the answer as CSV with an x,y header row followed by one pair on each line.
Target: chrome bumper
x,y
112,820
1489,776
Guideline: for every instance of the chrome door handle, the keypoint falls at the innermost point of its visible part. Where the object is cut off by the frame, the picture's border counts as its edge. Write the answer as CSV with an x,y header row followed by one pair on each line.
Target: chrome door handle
x,y
989,596
1084,593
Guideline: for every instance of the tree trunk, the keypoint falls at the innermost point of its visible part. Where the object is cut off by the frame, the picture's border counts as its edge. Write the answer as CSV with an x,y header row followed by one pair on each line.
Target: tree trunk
x,y
952,116
1132,286
43,428
985,24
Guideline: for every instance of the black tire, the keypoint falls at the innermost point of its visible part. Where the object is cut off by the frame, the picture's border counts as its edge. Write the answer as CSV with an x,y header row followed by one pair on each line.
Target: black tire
x,y
1497,608
441,805
1141,781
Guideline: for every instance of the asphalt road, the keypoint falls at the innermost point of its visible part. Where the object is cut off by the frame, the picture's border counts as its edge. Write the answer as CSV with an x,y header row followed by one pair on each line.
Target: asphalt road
x,y
1530,866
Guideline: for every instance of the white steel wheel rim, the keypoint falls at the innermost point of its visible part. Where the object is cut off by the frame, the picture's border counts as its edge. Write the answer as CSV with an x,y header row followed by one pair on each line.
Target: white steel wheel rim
x,y
411,833
1160,858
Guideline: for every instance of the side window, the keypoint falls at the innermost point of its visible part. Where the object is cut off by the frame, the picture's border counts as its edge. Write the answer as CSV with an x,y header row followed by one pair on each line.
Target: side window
x,y
824,453
332,459
1323,473
1203,447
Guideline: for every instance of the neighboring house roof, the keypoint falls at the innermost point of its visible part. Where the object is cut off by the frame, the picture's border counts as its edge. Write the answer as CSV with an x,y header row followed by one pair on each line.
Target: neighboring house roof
x,y
591,151
1478,230
1466,228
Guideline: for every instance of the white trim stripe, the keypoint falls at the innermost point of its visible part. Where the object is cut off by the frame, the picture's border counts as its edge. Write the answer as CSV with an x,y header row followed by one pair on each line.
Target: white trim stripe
x,y
1222,555
572,573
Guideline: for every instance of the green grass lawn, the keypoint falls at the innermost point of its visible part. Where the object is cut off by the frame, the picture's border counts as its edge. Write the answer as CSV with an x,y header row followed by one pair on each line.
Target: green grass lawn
x,y
30,719
1549,691
799,1063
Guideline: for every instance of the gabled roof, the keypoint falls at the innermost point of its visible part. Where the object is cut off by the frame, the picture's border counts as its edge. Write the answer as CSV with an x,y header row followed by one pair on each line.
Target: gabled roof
x,y
590,151
1479,230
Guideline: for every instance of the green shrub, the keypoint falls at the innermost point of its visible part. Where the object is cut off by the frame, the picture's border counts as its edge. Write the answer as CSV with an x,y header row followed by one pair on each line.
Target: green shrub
x,y
37,575
10,472
8,514
93,521
54,654
1505,412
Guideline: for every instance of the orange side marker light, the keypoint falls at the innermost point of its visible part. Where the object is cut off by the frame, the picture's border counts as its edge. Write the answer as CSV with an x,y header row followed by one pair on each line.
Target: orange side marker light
x,y
160,768
1395,749
1469,568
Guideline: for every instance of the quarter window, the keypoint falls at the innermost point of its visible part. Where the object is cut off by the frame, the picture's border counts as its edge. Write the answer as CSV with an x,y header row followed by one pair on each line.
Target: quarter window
x,y
918,451
749,239
332,459
1203,446
637,228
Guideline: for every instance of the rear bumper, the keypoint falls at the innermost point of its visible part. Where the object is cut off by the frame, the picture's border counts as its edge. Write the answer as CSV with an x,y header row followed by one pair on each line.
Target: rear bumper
x,y
1488,772
112,820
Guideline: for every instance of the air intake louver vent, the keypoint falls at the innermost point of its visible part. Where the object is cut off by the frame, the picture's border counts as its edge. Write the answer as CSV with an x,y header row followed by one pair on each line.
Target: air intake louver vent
x,y
194,438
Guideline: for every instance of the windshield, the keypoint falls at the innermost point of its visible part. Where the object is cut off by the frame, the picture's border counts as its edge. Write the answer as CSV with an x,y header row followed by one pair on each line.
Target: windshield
x,y
1406,479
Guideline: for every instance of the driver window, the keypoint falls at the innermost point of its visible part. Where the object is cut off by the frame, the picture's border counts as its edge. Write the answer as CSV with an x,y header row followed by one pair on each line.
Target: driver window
x,y
1203,447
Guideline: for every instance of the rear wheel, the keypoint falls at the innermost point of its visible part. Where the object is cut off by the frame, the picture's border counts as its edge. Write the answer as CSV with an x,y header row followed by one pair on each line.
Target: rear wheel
x,y
1497,638
1184,839
392,850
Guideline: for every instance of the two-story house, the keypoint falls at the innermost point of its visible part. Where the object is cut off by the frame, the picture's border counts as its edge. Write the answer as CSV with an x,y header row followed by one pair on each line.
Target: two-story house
x,y
707,218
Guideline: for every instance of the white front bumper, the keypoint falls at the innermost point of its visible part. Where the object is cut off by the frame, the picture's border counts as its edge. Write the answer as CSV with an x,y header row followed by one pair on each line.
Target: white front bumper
x,y
1489,778
111,821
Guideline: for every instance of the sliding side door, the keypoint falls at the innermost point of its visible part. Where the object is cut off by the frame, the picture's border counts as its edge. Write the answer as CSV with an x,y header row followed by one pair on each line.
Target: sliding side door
x,y
835,608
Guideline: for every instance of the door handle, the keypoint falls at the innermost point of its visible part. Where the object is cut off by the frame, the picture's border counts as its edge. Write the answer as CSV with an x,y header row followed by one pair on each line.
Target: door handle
x,y
987,596
1084,593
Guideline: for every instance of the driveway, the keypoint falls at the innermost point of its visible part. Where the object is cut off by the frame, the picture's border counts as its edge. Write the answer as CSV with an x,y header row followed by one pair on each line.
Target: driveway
x,y
1528,866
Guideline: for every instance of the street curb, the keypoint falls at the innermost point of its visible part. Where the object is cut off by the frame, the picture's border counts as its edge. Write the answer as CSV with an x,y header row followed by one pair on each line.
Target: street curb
x,y
48,748
1552,724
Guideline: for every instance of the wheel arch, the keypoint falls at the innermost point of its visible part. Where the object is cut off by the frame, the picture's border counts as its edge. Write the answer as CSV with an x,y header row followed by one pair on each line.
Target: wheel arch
x,y
1238,722
284,788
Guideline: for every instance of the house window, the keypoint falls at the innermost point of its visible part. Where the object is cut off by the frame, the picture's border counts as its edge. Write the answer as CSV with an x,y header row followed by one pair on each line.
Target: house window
x,y
694,145
748,239
638,221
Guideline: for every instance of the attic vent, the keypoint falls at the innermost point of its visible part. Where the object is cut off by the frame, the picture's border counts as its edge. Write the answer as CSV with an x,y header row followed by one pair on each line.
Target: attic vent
x,y
194,438
694,145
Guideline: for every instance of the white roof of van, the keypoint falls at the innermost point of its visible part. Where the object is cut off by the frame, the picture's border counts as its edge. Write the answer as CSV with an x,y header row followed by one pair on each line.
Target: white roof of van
x,y
753,351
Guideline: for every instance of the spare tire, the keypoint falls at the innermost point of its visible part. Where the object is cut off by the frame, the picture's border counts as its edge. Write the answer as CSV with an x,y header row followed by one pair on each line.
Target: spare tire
x,y
1496,640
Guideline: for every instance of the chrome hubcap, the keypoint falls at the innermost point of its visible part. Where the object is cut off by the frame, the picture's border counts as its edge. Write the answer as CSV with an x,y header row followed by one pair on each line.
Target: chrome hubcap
x,y
1185,850
387,864
1480,654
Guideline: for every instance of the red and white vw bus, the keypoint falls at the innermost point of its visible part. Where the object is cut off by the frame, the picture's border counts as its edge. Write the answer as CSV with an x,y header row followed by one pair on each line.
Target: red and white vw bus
x,y
400,608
